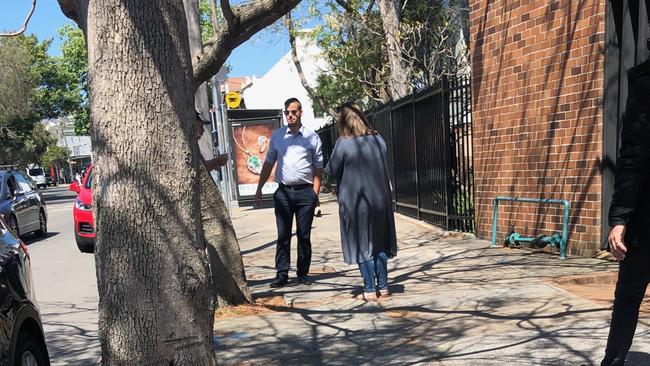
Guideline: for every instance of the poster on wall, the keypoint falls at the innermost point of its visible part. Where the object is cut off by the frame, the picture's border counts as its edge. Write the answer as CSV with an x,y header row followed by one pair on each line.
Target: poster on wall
x,y
250,138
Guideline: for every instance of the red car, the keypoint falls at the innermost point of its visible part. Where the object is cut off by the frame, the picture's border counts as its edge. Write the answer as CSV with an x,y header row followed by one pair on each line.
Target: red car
x,y
84,226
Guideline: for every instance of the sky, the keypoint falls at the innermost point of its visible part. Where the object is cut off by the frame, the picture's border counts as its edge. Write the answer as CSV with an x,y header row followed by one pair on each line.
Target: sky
x,y
255,57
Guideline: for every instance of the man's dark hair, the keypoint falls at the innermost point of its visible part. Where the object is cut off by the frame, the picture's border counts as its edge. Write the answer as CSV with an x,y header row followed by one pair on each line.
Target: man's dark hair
x,y
292,100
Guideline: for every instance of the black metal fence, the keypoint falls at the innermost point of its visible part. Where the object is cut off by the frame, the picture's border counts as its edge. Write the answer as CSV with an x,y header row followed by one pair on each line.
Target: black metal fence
x,y
429,141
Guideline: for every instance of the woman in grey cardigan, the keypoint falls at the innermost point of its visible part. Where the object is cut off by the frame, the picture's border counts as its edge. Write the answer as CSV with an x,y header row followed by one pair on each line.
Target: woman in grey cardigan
x,y
358,164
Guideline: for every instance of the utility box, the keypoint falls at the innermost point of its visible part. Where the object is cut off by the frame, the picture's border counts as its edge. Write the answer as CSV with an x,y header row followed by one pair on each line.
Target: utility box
x,y
250,136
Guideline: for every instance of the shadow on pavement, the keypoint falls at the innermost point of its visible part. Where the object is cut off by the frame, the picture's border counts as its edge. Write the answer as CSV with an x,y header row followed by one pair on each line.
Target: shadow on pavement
x,y
71,344
638,359
31,238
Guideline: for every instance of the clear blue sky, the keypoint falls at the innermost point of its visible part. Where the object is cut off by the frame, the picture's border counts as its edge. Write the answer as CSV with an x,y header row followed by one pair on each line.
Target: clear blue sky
x,y
254,57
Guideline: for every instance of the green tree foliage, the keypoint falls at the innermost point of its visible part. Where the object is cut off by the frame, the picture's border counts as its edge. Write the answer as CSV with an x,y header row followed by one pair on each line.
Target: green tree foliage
x,y
23,61
36,86
206,24
16,80
70,87
354,44
55,156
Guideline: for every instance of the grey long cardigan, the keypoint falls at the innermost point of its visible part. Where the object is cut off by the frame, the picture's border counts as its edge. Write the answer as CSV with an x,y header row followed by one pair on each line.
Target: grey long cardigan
x,y
358,164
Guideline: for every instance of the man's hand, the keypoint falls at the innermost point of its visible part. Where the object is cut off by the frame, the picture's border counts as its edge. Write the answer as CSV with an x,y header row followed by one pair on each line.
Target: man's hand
x,y
258,198
616,244
222,159
217,162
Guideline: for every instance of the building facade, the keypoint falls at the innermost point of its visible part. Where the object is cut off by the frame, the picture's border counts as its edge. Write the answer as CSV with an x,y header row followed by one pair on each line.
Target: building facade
x,y
545,116
282,82
79,147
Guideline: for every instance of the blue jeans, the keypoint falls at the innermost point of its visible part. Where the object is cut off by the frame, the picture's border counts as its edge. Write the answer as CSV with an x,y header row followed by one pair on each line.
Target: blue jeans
x,y
375,268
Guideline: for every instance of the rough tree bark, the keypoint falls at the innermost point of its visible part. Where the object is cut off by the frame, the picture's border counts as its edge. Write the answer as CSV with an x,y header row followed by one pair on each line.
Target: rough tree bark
x,y
155,300
226,265
400,74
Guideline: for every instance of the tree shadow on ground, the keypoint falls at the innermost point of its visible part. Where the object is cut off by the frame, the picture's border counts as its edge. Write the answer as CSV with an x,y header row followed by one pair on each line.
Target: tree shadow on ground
x,y
71,344
454,303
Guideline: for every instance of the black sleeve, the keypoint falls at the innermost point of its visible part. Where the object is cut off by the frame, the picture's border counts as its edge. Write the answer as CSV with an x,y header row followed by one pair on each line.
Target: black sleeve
x,y
633,160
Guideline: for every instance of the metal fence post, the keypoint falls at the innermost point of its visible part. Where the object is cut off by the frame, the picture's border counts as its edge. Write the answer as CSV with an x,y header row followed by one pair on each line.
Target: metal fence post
x,y
447,150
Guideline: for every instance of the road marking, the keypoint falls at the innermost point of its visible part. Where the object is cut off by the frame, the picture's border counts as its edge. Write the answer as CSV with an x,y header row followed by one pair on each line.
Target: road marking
x,y
59,209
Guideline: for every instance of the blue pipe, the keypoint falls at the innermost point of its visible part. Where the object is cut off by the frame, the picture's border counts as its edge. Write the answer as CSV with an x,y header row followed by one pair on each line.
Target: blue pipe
x,y
565,218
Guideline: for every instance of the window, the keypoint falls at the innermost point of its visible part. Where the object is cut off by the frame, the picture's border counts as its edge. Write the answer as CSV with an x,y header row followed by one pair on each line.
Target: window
x,y
35,172
89,181
23,184
11,186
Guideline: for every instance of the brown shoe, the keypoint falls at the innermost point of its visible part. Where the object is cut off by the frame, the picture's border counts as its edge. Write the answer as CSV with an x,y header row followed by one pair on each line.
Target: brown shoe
x,y
385,293
366,296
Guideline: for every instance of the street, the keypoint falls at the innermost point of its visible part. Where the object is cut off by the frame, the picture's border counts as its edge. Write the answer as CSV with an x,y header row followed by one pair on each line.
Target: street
x,y
66,285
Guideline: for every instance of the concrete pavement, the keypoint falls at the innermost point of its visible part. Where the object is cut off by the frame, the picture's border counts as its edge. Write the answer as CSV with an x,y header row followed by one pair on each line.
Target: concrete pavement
x,y
455,302
66,286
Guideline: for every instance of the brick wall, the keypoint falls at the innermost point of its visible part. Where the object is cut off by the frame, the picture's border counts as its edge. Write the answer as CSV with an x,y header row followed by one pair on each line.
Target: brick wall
x,y
537,69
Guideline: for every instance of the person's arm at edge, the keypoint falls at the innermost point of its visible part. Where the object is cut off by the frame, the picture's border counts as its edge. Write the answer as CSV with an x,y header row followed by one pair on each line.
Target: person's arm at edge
x,y
216,163
264,176
318,180
318,165
631,167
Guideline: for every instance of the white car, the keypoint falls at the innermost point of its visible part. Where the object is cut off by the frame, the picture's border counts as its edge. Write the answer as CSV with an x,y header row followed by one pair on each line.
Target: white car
x,y
38,175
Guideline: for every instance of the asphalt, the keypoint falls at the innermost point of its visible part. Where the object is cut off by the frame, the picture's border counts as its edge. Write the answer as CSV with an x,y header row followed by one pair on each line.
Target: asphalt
x,y
455,302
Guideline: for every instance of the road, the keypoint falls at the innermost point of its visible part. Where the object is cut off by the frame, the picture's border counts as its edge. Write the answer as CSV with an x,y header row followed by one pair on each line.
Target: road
x,y
66,286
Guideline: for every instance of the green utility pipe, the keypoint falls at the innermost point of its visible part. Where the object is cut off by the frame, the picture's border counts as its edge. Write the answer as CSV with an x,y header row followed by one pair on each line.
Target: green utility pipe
x,y
565,218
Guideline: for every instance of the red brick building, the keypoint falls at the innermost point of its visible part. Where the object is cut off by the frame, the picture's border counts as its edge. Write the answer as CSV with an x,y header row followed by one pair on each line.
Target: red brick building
x,y
549,86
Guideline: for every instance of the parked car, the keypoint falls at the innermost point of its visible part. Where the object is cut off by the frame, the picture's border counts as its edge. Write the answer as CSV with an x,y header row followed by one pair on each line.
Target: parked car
x,y
49,180
21,332
37,174
21,203
84,226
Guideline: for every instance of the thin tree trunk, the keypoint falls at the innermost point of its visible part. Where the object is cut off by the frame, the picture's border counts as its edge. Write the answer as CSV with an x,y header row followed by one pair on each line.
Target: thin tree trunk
x,y
226,264
201,102
400,75
155,300
301,74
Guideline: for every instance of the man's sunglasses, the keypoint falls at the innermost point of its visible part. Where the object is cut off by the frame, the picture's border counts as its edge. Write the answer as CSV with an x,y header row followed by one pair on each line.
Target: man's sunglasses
x,y
293,111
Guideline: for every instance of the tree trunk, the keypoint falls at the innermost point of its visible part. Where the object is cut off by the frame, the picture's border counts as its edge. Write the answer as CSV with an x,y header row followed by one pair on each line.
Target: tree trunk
x,y
226,264
301,74
400,74
155,294
155,300
201,102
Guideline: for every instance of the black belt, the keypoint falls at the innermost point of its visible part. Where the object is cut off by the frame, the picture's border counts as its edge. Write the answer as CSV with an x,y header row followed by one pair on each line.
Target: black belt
x,y
297,186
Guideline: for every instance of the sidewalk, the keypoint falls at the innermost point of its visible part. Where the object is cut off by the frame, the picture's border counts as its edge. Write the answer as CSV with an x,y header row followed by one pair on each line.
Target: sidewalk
x,y
455,302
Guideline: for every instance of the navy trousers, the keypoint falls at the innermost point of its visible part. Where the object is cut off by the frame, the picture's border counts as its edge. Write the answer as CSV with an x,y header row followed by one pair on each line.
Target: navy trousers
x,y
633,277
301,203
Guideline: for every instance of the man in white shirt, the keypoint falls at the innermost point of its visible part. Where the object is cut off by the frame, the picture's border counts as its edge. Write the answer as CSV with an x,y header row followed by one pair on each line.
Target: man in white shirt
x,y
299,171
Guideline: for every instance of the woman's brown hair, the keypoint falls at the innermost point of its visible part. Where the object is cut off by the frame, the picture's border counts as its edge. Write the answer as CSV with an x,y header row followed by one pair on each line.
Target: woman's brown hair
x,y
352,122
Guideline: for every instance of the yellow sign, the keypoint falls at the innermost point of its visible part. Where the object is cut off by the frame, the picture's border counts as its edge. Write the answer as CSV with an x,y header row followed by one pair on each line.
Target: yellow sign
x,y
233,100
